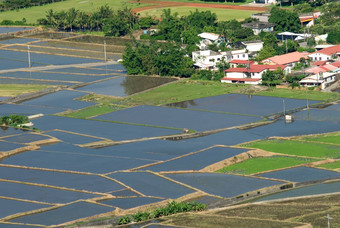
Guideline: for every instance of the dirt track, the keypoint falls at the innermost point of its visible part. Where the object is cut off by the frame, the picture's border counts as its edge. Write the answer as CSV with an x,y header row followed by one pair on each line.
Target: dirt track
x,y
163,4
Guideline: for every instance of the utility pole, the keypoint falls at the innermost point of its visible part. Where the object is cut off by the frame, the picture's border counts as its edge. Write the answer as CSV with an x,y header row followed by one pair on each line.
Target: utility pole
x,y
29,56
105,59
329,218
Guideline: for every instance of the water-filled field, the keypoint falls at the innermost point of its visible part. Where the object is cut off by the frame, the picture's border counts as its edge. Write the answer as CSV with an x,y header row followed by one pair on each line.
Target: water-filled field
x,y
244,104
13,29
178,118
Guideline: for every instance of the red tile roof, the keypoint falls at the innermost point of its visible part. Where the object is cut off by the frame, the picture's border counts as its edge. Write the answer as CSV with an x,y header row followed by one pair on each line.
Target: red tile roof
x,y
319,63
330,50
288,58
256,68
324,68
336,64
242,79
239,61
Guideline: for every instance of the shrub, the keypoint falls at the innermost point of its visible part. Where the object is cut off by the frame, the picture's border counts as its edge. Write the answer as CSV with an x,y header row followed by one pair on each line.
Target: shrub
x,y
124,220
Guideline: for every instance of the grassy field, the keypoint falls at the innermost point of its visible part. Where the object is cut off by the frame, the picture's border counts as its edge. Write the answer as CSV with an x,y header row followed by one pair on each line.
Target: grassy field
x,y
175,92
259,164
333,165
300,94
11,90
222,14
291,147
33,13
93,111
327,138
228,2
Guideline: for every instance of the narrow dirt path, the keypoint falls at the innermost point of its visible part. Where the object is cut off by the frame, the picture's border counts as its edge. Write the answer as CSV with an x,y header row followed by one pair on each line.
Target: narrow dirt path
x,y
163,4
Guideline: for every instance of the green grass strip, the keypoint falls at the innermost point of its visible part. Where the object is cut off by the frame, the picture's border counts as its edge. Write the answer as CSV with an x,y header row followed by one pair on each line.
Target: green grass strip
x,y
327,138
300,94
261,164
92,111
333,165
291,147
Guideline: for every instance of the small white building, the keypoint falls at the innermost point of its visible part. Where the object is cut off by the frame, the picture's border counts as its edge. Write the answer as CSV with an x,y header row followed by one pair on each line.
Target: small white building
x,y
253,46
326,54
206,60
208,39
321,79
241,54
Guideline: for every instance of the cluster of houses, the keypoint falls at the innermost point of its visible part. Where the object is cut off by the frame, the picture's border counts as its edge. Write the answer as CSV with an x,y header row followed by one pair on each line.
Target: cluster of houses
x,y
322,70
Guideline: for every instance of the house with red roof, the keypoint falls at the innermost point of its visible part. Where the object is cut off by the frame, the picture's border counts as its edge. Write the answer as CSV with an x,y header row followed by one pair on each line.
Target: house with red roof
x,y
288,60
326,54
324,68
239,62
252,74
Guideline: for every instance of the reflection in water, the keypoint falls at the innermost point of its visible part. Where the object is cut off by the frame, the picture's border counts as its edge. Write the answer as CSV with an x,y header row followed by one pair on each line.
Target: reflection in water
x,y
3,128
183,104
135,84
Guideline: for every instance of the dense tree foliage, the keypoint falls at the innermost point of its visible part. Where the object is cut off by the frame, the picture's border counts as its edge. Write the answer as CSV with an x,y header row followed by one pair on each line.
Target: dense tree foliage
x,y
284,20
334,37
113,23
17,4
271,78
157,58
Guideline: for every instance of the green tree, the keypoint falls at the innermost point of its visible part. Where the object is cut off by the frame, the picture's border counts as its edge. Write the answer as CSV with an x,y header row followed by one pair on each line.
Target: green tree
x,y
284,20
334,37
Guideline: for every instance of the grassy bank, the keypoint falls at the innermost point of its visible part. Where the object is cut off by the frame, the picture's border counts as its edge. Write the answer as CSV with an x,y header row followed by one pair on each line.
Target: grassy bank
x,y
11,90
300,94
259,164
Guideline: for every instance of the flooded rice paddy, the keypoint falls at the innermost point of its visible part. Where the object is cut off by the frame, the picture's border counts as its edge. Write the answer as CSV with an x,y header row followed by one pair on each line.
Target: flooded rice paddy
x,y
69,181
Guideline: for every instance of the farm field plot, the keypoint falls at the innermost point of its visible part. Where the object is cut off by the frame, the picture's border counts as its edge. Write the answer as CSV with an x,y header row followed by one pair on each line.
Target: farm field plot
x,y
7,146
47,77
227,138
64,214
325,138
18,40
39,82
275,212
83,71
125,86
301,174
333,165
62,99
91,183
114,67
155,150
15,225
7,131
243,104
127,203
324,188
17,59
291,147
319,115
222,14
298,127
25,138
202,221
178,118
72,138
4,29
124,193
223,184
71,161
113,131
41,194
20,109
261,164
197,161
16,206
152,185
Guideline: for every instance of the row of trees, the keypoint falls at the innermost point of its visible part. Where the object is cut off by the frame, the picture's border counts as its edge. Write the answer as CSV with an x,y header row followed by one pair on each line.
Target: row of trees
x,y
17,4
114,23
